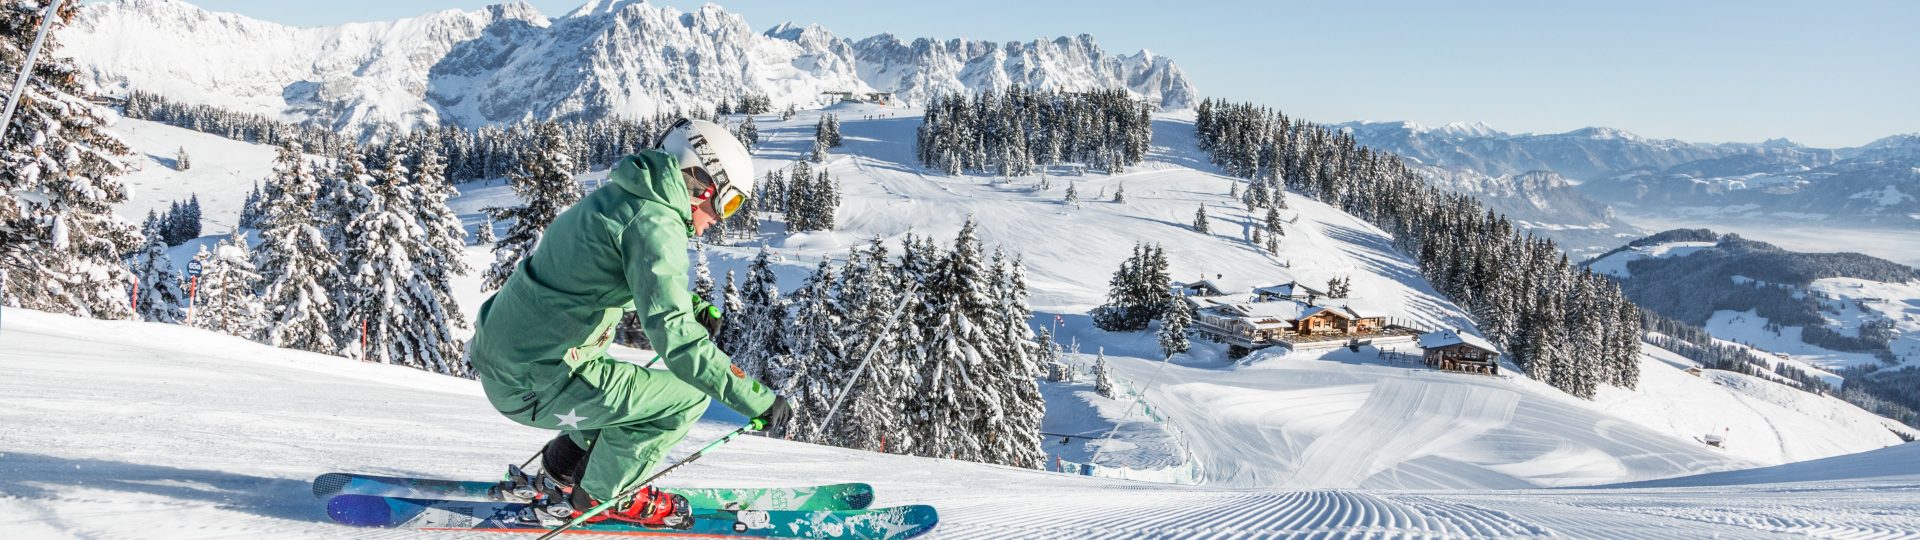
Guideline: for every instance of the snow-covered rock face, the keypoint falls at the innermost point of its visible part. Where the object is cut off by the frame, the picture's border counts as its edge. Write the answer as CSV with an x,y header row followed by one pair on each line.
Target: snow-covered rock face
x,y
507,62
923,68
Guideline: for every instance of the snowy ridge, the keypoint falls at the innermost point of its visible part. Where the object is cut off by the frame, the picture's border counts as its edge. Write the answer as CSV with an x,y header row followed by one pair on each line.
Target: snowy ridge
x,y
1769,180
505,63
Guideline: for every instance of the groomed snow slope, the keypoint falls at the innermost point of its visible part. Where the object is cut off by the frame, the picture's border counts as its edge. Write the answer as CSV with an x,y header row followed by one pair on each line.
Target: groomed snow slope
x,y
140,430
220,171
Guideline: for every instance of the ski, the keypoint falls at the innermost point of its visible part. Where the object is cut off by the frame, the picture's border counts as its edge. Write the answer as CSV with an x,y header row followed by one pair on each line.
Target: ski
x,y
849,496
889,523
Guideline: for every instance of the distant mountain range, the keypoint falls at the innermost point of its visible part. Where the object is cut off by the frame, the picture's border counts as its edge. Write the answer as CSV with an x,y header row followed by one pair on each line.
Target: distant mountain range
x,y
1876,184
508,62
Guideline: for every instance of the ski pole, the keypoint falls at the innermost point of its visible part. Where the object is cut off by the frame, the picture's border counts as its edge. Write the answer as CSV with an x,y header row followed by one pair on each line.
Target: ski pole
x,y
753,425
853,381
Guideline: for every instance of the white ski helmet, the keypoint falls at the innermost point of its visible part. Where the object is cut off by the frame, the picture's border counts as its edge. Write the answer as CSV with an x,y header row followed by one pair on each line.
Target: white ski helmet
x,y
715,157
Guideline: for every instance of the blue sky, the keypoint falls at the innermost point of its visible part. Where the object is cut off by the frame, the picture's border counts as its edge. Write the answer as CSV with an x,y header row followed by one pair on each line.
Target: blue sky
x,y
1824,74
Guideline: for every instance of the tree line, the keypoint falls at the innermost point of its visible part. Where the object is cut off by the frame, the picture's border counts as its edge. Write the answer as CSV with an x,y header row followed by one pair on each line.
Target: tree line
x,y
1019,130
953,375
355,257
1566,327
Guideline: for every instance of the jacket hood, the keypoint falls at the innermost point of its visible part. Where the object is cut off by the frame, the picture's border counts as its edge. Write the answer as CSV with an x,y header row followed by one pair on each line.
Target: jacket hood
x,y
655,176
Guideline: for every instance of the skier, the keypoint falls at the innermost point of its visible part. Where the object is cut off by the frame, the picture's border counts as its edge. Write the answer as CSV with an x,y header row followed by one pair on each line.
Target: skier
x,y
540,343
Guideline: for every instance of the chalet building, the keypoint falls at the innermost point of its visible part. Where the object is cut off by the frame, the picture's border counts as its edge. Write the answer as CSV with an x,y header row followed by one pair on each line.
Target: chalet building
x,y
883,98
1452,350
1246,326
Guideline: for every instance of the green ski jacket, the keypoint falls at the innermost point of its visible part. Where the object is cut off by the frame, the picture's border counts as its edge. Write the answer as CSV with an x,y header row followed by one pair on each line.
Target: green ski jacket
x,y
622,247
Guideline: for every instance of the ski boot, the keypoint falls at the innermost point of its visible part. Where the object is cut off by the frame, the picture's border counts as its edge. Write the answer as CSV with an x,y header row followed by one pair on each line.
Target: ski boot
x,y
651,507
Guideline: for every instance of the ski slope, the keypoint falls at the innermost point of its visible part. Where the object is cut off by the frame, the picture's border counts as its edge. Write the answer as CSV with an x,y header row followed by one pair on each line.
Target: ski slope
x,y
136,430
1284,444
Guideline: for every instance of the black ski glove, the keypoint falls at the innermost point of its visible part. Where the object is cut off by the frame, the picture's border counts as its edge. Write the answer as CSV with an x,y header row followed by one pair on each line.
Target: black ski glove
x,y
707,315
775,418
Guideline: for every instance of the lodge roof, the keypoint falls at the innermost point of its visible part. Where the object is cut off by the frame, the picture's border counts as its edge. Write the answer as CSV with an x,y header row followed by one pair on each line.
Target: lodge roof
x,y
1444,338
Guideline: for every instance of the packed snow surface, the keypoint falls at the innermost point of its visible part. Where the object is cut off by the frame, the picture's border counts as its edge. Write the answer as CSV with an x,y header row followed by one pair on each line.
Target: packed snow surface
x,y
140,430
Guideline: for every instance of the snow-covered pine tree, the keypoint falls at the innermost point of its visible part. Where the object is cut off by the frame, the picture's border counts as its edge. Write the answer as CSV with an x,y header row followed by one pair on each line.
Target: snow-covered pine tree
x,y
1173,328
1233,190
296,261
827,131
61,245
748,133
773,191
731,306
344,195
1273,221
1625,335
483,234
190,223
226,301
1014,435
955,391
153,229
163,295
1200,220
1073,194
1585,324
762,319
702,273
826,201
811,372
872,409
793,200
818,153
1103,376
544,181
181,161
440,257
251,210
1259,239
393,300
1120,193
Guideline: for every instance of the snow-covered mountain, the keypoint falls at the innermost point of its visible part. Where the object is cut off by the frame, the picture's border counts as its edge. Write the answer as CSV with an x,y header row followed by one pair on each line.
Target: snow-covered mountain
x,y
508,62
1542,202
1877,184
1582,154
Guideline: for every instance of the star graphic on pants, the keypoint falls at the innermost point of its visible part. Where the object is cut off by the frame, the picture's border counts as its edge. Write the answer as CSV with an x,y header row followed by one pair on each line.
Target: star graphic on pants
x,y
570,419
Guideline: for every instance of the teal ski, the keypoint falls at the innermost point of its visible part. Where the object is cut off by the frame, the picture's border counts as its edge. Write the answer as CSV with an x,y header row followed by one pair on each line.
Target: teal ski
x,y
849,496
889,523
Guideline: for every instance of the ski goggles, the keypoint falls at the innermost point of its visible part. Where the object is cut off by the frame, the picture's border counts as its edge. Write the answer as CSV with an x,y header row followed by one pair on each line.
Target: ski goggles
x,y
730,198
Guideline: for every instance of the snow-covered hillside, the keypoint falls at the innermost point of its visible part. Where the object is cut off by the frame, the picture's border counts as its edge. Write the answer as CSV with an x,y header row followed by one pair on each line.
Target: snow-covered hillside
x,y
222,171
1275,421
1845,304
508,62
109,426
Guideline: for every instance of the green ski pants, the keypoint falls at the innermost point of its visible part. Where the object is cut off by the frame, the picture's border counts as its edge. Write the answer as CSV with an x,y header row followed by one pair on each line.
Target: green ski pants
x,y
625,415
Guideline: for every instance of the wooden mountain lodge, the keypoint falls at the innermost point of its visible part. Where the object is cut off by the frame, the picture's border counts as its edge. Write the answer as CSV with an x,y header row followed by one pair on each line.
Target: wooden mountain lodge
x,y
1287,315
1452,350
